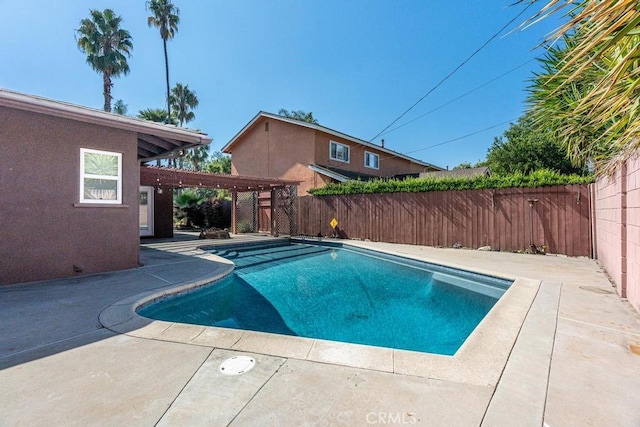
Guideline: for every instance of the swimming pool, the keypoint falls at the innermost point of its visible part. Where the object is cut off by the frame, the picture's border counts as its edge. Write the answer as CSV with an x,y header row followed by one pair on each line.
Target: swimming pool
x,y
333,293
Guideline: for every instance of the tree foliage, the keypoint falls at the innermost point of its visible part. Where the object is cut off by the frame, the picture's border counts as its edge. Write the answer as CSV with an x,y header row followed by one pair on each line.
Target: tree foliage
x,y
158,115
298,115
183,101
193,209
107,47
525,148
588,91
119,107
219,163
197,157
463,165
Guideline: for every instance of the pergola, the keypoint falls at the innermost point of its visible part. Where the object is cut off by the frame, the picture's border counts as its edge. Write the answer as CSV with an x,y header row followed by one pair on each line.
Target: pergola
x,y
171,178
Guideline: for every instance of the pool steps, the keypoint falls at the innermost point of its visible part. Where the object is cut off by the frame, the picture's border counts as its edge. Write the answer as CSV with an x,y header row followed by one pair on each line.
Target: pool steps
x,y
268,252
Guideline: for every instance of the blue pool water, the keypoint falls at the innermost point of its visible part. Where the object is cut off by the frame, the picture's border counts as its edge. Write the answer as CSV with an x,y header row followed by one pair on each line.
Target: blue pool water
x,y
340,294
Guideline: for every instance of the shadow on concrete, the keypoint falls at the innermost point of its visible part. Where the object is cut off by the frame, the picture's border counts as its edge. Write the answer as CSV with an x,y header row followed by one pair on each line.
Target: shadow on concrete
x,y
39,319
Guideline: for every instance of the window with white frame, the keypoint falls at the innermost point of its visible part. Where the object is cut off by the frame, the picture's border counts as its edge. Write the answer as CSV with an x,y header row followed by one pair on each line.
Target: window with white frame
x,y
100,176
339,152
371,160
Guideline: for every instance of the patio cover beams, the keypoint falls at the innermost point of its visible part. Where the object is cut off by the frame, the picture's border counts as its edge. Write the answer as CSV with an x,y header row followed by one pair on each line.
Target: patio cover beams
x,y
161,177
180,178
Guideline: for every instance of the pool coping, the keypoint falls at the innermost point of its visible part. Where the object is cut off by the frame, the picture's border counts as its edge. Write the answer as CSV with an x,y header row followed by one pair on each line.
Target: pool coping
x,y
479,361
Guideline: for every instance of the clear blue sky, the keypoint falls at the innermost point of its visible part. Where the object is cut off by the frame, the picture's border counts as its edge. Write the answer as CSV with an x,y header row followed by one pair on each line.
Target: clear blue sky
x,y
357,65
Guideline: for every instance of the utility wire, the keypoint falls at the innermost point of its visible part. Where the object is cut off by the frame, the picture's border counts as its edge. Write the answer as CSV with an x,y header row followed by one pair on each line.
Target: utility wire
x,y
454,71
462,137
459,97
390,156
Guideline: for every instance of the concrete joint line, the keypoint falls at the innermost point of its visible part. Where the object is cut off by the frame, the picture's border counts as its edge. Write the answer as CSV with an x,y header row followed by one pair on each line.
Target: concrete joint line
x,y
160,278
166,263
183,387
553,347
54,342
236,342
620,331
257,391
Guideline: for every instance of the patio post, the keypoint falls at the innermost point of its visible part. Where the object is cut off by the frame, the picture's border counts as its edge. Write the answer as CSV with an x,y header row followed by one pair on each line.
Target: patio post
x,y
234,212
274,219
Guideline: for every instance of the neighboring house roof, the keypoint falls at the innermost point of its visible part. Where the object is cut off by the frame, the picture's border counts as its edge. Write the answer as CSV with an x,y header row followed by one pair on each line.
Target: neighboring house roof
x,y
327,172
406,175
351,174
155,140
458,173
227,148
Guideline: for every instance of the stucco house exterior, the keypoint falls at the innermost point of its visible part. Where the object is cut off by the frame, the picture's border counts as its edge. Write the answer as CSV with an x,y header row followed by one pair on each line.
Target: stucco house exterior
x,y
274,146
70,180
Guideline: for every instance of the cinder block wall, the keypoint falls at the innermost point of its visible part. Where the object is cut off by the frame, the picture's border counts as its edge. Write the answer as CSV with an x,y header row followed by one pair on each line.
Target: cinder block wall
x,y
617,225
633,233
608,201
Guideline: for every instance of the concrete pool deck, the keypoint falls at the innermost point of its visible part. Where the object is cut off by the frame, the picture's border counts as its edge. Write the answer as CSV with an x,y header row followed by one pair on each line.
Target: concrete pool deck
x,y
571,363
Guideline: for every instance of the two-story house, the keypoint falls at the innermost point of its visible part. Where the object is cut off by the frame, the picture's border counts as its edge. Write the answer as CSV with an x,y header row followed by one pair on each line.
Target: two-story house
x,y
274,146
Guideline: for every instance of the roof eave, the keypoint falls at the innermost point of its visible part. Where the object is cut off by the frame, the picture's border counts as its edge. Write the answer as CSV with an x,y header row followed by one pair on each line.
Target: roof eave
x,y
40,105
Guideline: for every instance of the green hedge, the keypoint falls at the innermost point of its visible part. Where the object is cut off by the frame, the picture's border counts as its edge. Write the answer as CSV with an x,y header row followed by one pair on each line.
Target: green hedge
x,y
540,178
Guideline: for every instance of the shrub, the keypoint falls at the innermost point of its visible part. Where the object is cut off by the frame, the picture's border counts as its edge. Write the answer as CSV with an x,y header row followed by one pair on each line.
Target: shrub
x,y
211,211
245,227
193,211
539,178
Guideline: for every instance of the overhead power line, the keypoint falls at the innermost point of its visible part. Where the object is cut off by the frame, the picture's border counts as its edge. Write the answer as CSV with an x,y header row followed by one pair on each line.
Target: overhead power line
x,y
462,137
389,156
454,71
459,97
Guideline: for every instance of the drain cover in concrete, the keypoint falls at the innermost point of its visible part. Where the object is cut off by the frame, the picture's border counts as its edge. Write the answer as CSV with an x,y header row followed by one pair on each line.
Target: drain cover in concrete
x,y
237,365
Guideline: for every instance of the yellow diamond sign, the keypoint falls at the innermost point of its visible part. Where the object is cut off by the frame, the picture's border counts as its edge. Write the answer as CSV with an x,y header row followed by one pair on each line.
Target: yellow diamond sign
x,y
333,223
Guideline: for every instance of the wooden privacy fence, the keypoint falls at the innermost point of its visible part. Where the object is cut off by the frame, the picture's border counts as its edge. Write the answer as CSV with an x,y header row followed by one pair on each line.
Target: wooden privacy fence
x,y
511,219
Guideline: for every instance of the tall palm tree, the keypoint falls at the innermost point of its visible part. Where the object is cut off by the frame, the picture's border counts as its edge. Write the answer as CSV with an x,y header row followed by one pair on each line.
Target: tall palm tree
x,y
107,47
184,101
198,156
599,75
166,18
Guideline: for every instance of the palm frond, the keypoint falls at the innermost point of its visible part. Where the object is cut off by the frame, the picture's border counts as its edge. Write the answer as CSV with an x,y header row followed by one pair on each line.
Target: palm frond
x,y
590,86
